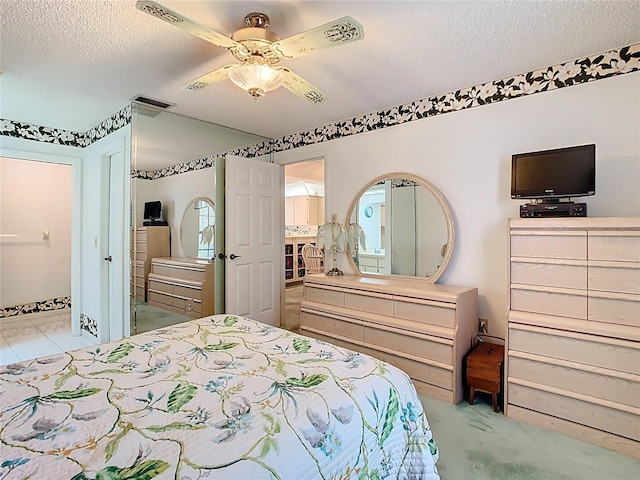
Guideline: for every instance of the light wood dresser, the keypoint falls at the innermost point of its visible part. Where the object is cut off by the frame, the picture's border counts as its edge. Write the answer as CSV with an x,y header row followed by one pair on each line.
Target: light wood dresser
x,y
422,328
573,347
146,243
182,285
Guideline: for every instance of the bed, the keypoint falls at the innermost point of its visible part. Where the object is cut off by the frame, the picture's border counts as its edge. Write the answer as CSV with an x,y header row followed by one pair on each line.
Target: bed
x,y
221,397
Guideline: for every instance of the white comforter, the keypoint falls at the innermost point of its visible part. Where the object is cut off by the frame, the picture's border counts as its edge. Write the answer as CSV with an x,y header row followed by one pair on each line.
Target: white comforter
x,y
220,397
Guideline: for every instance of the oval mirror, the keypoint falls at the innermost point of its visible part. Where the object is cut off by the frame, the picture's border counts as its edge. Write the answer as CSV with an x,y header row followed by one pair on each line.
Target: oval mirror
x,y
197,229
404,227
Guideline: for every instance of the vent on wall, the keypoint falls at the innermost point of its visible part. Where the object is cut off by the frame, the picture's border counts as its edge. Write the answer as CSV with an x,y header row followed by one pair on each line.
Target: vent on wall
x,y
152,102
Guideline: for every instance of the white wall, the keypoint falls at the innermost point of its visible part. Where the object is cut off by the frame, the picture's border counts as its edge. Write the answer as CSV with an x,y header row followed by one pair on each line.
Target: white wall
x,y
34,197
175,193
467,156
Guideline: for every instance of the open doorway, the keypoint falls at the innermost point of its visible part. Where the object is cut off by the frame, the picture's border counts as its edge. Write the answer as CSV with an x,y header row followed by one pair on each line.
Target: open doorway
x,y
303,212
36,216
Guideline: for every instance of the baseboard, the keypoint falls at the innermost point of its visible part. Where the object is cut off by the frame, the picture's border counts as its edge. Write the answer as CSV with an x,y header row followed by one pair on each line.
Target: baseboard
x,y
49,305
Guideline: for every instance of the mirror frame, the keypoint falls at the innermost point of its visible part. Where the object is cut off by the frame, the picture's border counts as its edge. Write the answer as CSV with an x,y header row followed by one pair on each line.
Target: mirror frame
x,y
451,234
191,202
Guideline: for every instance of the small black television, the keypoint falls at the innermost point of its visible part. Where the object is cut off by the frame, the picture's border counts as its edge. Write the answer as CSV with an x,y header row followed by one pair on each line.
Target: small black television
x,y
553,174
152,210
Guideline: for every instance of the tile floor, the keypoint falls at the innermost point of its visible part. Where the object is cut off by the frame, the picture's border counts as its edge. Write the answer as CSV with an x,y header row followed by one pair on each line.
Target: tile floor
x,y
25,337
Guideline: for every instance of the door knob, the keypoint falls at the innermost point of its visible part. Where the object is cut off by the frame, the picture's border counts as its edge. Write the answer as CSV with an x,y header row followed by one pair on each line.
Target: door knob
x,y
222,256
233,256
108,259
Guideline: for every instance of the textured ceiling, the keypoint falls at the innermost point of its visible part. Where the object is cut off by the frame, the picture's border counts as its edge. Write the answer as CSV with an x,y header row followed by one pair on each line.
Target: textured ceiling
x,y
309,171
71,64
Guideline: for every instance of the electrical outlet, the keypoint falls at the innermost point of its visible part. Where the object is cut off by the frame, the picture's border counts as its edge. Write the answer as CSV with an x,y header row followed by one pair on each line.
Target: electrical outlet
x,y
483,325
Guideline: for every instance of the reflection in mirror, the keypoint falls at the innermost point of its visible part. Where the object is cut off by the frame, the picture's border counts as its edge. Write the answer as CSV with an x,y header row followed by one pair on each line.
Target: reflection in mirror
x,y
172,161
197,229
407,226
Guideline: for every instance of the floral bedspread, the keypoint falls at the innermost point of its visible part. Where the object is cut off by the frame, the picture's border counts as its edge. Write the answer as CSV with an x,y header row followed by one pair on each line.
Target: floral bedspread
x,y
220,397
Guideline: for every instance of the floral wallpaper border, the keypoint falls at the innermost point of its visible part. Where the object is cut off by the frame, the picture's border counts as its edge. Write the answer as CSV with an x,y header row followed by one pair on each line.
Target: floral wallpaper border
x,y
400,182
89,325
108,126
594,67
256,150
192,166
575,72
10,128
58,303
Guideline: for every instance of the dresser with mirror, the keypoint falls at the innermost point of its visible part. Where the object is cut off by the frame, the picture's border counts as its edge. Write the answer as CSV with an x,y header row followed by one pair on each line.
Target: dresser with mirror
x,y
185,285
396,312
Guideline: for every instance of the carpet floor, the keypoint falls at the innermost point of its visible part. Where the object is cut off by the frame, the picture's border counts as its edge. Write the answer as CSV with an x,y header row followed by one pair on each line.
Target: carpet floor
x,y
149,318
476,443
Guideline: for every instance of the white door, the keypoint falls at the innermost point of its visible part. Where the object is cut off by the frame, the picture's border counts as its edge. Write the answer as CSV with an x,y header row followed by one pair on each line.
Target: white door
x,y
113,251
104,325
118,289
253,243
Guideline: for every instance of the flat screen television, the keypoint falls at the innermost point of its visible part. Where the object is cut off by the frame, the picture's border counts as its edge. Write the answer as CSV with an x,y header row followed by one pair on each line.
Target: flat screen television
x,y
152,210
553,174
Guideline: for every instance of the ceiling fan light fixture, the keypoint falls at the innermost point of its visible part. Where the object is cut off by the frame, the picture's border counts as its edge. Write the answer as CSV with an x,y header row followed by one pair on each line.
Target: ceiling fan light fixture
x,y
256,49
257,79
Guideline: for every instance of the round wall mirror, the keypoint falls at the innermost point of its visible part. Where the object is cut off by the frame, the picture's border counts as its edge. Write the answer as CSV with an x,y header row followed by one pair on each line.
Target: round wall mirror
x,y
197,229
407,228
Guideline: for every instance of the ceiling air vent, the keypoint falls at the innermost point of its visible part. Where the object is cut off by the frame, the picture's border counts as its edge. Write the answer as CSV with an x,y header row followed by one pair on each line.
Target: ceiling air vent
x,y
152,102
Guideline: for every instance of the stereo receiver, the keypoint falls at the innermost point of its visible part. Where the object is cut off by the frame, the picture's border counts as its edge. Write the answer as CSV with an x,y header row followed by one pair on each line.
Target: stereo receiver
x,y
553,209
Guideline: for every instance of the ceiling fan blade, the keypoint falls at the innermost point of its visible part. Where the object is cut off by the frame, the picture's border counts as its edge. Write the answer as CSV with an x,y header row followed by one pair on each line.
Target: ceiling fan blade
x,y
163,13
340,31
216,76
298,85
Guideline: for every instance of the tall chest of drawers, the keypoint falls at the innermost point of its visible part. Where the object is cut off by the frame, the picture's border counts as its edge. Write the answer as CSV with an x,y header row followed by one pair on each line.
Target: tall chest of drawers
x,y
182,285
146,243
573,347
422,328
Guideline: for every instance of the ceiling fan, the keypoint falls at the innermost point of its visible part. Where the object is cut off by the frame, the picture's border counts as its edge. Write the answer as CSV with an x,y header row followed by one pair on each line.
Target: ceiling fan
x,y
257,51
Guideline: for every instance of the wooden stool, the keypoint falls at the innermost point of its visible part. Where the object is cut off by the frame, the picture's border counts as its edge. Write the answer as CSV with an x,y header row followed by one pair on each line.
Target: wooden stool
x,y
484,371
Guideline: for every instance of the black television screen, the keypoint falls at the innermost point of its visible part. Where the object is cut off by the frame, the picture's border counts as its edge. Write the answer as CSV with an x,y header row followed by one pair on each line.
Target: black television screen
x,y
563,172
152,210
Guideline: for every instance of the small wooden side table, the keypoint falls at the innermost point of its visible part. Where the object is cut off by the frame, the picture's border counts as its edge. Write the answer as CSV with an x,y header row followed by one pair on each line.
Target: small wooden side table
x,y
484,371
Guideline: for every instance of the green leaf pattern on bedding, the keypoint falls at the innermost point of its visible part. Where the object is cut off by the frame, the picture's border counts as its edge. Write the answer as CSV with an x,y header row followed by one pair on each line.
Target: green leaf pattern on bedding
x,y
389,417
180,396
120,352
301,345
219,397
